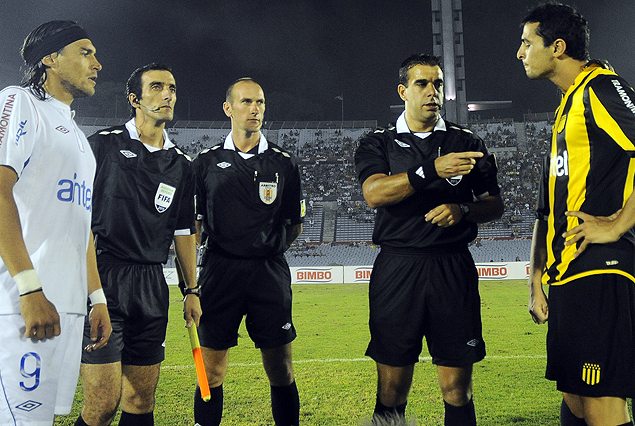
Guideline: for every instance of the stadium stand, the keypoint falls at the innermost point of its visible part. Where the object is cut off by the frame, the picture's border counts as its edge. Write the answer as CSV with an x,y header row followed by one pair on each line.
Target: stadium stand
x,y
351,254
313,224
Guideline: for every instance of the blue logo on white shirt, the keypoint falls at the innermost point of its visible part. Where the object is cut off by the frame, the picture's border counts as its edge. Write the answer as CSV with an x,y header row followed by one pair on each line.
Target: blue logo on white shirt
x,y
72,191
21,132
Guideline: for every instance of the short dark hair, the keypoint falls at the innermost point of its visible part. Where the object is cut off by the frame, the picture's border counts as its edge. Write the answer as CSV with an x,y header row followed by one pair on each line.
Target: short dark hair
x,y
411,61
229,96
134,86
35,73
556,20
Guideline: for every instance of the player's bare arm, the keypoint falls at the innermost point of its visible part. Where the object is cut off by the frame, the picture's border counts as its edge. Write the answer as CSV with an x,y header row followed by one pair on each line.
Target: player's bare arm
x,y
484,210
293,232
40,316
600,229
538,305
98,317
185,248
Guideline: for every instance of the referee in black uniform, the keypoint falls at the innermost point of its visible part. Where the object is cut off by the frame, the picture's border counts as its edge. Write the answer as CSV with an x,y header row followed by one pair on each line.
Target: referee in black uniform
x,y
143,200
431,182
250,204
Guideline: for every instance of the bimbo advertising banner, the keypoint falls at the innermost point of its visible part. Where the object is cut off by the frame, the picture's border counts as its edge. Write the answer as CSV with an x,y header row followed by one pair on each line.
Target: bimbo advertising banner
x,y
361,274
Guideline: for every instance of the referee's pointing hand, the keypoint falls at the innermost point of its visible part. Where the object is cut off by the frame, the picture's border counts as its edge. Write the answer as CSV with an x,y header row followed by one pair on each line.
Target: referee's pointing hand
x,y
456,163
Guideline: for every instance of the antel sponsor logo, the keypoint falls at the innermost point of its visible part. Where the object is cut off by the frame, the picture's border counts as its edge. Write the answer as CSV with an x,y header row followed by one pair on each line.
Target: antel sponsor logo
x,y
72,191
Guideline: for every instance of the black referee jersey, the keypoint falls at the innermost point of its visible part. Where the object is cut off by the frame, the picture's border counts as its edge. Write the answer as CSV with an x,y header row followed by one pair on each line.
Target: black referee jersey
x,y
403,224
140,197
245,204
590,169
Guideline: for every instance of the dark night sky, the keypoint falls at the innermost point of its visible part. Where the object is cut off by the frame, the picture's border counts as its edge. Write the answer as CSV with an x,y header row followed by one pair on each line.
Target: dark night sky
x,y
304,53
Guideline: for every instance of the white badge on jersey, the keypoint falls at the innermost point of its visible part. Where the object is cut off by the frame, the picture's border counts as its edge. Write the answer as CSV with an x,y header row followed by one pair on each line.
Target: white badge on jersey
x,y
268,192
164,197
454,180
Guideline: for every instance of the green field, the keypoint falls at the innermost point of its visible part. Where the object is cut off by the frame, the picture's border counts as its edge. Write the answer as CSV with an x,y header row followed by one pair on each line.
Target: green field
x,y
337,383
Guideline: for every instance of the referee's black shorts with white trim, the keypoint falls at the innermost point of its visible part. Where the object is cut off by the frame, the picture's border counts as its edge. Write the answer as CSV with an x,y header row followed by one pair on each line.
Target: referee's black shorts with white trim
x,y
431,293
138,299
591,337
257,288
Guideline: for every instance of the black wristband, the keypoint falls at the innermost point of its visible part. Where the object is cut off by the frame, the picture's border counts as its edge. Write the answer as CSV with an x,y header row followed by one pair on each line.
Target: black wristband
x,y
196,291
465,210
31,292
421,176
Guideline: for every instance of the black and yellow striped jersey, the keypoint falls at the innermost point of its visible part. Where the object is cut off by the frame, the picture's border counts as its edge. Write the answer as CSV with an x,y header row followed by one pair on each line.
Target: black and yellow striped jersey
x,y
590,169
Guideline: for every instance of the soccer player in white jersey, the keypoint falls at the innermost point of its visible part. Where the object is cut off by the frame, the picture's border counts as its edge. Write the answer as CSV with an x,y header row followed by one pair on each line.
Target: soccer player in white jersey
x,y
47,258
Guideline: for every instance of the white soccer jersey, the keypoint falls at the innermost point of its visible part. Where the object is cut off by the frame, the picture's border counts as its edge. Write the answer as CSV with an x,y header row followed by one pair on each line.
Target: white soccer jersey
x,y
55,168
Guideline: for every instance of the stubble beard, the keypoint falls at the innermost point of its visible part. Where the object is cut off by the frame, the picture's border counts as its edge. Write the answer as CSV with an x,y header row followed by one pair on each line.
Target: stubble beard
x,y
75,91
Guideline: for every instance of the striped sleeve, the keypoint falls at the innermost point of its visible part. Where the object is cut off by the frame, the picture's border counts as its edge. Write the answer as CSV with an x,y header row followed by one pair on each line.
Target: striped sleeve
x,y
612,102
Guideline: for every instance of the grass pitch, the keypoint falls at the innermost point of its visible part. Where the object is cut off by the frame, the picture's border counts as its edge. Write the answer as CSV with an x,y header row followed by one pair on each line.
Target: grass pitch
x,y
337,383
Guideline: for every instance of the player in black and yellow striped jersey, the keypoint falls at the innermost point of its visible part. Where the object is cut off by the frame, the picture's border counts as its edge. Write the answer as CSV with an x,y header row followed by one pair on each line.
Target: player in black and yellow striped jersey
x,y
591,134
584,244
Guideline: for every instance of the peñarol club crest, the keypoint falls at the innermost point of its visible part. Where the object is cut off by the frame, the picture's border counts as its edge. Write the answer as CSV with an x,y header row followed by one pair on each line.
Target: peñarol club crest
x,y
268,192
164,196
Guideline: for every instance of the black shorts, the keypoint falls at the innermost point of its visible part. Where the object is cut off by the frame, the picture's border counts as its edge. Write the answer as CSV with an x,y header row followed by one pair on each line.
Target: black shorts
x,y
138,299
258,288
591,337
435,295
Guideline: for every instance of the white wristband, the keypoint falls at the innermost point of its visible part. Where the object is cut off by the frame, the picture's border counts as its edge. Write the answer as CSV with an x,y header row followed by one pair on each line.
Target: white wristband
x,y
27,281
97,297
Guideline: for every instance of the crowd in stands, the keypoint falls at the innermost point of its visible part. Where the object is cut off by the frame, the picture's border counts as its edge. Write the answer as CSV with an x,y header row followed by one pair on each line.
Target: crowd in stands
x,y
496,134
350,254
364,253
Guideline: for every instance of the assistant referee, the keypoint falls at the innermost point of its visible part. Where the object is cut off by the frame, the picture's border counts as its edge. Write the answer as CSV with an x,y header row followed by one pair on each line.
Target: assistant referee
x,y
431,181
250,205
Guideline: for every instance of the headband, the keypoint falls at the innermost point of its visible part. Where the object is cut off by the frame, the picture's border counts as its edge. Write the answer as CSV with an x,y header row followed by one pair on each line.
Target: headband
x,y
53,43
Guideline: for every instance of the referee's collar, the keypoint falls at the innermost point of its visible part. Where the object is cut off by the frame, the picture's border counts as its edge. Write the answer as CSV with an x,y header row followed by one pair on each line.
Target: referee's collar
x,y
134,134
263,145
402,127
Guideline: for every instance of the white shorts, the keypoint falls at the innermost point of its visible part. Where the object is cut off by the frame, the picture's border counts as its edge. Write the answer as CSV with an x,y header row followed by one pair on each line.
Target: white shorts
x,y
38,378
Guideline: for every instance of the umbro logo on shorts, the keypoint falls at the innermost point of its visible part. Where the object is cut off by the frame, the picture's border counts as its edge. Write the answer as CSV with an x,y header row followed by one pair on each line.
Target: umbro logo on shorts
x,y
473,342
28,405
62,129
128,154
223,165
286,326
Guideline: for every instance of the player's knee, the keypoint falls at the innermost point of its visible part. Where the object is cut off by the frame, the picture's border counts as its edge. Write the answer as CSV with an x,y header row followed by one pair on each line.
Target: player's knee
x,y
138,403
456,394
280,374
101,415
392,393
215,375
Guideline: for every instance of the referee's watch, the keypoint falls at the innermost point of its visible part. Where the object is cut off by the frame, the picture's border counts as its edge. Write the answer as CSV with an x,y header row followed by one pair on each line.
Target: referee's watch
x,y
196,291
465,210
